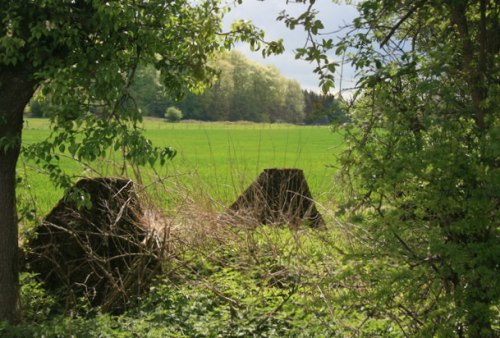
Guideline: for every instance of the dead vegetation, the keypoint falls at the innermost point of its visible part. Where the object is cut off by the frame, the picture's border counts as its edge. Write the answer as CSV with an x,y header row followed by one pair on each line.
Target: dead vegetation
x,y
108,251
102,252
277,197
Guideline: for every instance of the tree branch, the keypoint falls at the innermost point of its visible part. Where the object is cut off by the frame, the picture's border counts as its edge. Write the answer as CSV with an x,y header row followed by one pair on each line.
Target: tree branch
x,y
400,22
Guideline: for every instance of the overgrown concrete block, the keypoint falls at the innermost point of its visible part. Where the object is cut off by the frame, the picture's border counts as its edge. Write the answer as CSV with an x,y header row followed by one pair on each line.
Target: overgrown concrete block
x,y
103,252
280,197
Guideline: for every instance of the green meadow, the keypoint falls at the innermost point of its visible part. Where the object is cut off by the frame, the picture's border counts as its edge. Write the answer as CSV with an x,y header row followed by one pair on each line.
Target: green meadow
x,y
215,160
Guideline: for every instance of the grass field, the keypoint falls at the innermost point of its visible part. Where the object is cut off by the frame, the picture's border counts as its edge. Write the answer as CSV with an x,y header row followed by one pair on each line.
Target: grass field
x,y
218,160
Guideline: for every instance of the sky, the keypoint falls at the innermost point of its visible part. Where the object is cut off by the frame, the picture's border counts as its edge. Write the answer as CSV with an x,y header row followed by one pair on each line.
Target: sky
x,y
263,14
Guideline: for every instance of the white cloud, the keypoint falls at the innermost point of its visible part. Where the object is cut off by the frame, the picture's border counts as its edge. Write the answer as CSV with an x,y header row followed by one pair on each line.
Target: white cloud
x,y
264,13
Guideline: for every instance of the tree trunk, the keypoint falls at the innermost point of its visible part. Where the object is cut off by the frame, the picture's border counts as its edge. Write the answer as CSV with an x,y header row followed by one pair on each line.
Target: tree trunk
x,y
16,89
478,55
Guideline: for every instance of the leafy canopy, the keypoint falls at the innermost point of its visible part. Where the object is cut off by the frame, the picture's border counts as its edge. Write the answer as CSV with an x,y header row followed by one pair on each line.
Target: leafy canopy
x,y
421,168
84,55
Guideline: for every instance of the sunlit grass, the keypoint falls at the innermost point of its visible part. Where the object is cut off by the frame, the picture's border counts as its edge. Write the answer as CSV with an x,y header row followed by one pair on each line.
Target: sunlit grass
x,y
217,159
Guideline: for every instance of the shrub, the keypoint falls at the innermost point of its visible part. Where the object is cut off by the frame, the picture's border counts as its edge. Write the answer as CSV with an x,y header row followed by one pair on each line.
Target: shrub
x,y
173,114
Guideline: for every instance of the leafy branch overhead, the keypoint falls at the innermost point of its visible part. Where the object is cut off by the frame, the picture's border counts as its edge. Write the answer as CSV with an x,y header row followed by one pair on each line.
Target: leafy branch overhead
x,y
315,50
86,53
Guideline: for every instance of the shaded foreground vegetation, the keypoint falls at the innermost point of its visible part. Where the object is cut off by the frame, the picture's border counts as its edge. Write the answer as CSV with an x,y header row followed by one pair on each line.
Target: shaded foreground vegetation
x,y
219,281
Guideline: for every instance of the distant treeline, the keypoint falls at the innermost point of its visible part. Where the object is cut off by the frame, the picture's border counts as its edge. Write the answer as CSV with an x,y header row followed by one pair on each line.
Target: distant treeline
x,y
244,90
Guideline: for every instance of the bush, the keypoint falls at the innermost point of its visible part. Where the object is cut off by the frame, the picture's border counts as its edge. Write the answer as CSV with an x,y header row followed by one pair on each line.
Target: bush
x,y
173,114
36,302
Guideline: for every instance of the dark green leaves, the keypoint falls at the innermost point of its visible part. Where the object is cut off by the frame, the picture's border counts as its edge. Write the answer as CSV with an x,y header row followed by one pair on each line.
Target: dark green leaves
x,y
85,55
419,164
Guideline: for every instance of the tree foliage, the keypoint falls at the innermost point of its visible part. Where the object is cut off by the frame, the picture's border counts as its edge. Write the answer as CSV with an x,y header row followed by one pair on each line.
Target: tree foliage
x,y
323,108
243,90
252,92
421,169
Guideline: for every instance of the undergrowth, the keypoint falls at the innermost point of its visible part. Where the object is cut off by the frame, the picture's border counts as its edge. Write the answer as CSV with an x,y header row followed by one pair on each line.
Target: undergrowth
x,y
220,281
230,282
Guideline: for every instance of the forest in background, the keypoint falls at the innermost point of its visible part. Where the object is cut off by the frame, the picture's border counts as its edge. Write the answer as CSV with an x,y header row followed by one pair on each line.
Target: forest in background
x,y
244,91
